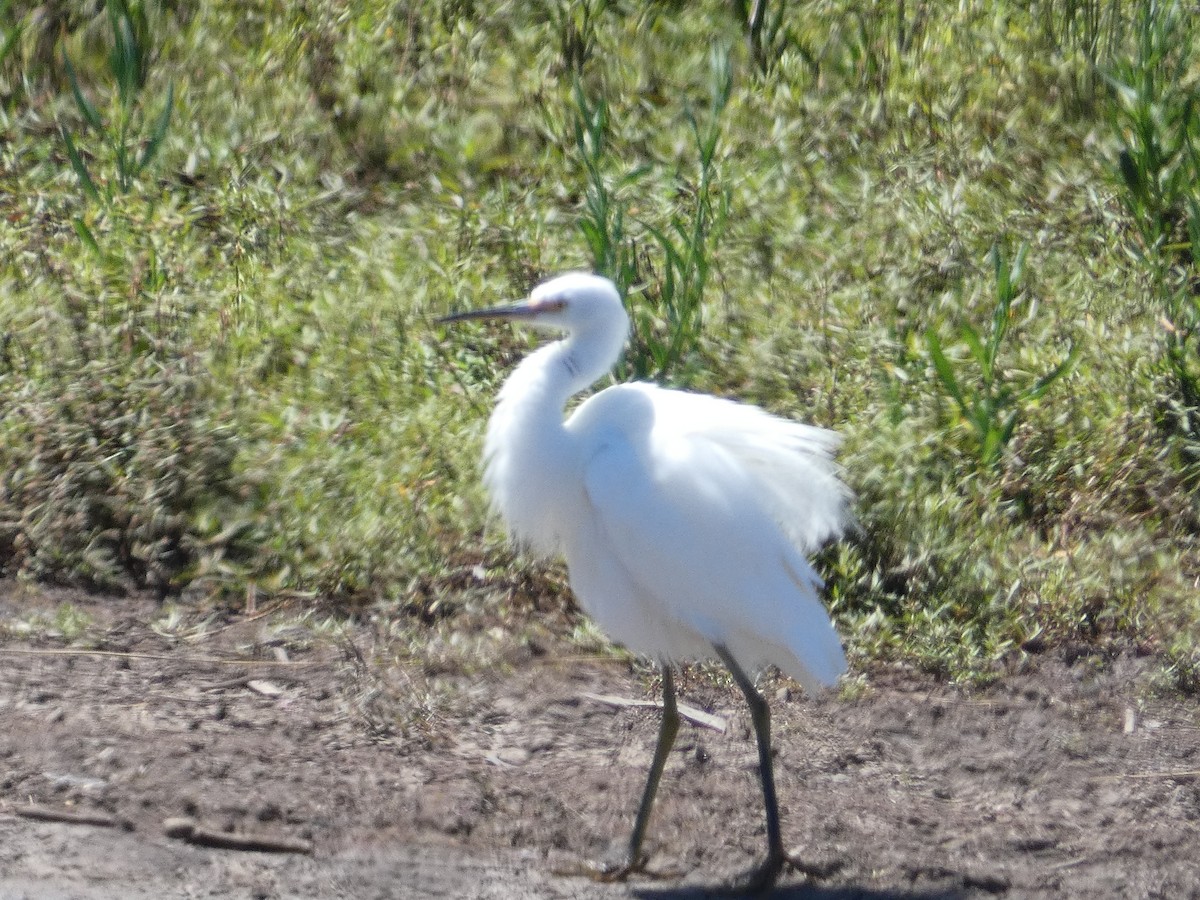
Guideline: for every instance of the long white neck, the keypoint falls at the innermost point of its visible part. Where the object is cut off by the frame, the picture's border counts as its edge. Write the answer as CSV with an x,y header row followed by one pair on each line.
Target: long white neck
x,y
558,371
528,451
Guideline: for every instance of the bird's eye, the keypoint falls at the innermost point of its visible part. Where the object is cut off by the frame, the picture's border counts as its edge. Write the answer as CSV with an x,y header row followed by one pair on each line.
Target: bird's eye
x,y
554,304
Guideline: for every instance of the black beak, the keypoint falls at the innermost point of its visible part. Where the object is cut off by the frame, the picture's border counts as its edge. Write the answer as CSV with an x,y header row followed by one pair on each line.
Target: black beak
x,y
518,311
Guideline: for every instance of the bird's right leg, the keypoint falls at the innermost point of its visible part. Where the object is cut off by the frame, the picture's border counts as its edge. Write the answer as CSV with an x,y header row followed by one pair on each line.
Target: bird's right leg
x,y
634,860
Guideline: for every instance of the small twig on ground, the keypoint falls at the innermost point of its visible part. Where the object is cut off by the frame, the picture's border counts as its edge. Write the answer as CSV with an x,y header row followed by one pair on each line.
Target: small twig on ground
x,y
66,816
1070,863
193,832
693,715
240,681
66,651
1193,773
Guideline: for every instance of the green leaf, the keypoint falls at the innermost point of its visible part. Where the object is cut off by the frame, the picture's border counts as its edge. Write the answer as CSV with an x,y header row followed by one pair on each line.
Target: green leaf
x,y
10,39
721,83
85,235
944,370
989,450
81,172
85,105
1008,278
634,175
1004,435
975,344
1018,267
1130,173
999,268
160,130
125,59
1193,222
1063,368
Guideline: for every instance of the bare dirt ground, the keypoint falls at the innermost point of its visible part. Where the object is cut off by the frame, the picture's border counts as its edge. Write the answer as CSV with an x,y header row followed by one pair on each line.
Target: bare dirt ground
x,y
1069,779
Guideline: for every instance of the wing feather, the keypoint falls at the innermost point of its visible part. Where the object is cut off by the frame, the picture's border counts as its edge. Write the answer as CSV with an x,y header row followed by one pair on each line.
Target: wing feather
x,y
685,509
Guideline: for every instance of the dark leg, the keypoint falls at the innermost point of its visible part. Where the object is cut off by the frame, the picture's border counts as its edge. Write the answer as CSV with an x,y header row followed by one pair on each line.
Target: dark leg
x,y
763,877
634,861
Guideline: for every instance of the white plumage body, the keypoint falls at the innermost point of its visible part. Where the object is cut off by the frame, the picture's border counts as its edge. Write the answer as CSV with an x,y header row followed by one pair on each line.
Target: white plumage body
x,y
684,519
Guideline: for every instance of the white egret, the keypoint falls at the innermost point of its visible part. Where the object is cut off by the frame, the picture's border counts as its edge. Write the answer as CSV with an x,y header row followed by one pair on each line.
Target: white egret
x,y
684,518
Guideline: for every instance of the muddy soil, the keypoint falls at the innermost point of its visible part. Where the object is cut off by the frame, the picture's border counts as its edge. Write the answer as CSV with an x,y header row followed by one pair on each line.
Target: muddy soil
x,y
1067,779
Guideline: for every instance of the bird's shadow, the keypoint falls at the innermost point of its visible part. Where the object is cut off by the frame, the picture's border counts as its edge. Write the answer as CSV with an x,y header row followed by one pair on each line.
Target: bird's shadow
x,y
796,892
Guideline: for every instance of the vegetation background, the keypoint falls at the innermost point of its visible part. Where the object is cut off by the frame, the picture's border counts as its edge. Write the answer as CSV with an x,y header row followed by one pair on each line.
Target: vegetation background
x,y
962,234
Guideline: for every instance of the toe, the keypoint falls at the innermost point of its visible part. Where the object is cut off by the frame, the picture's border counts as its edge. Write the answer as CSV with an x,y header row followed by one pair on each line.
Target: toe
x,y
759,879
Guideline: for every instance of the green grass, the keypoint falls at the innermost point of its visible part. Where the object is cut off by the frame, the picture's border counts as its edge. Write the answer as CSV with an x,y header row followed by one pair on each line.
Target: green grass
x,y
218,366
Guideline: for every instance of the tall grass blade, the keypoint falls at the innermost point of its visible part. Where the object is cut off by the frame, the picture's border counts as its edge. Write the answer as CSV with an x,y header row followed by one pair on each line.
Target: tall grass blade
x,y
81,172
86,237
125,59
1063,369
944,370
985,356
85,105
160,130
11,38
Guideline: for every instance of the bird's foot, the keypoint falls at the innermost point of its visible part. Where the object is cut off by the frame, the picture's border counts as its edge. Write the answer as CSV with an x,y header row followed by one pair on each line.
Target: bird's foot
x,y
608,870
617,867
763,877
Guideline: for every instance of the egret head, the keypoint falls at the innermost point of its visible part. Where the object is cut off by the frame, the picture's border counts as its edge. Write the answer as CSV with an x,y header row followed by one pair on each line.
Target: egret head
x,y
575,302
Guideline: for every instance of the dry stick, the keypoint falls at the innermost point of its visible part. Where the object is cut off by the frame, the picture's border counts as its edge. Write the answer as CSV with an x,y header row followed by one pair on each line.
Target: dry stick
x,y
1071,863
67,816
194,833
33,651
240,681
253,682
693,715
249,616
